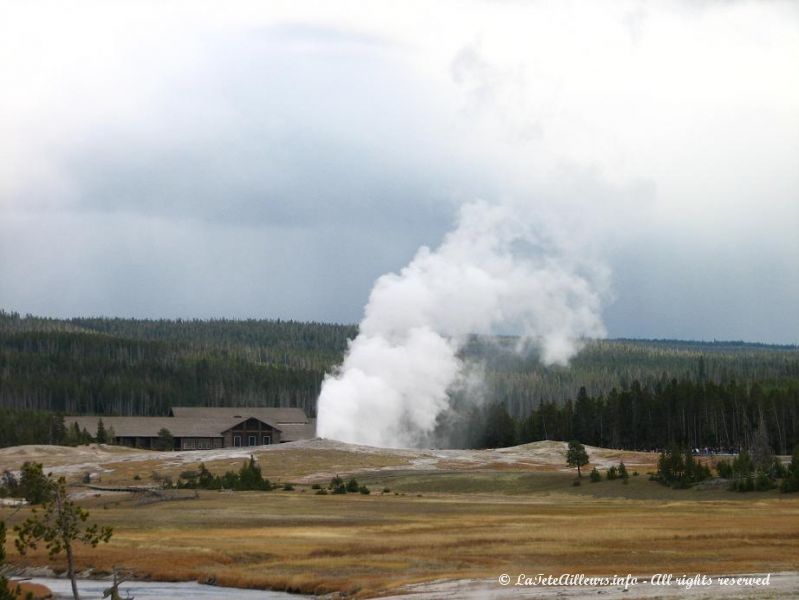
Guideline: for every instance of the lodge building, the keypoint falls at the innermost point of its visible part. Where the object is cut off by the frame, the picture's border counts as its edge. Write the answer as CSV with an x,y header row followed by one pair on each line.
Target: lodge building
x,y
205,428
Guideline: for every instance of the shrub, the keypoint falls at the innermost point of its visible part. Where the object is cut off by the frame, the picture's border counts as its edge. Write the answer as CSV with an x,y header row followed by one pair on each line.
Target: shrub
x,y
386,491
287,487
744,484
763,482
623,472
679,469
613,473
137,477
75,437
789,485
742,465
206,480
316,486
321,492
576,482
340,489
352,486
250,477
748,478
724,469
9,485
165,441
229,480
364,490
335,482
594,475
34,485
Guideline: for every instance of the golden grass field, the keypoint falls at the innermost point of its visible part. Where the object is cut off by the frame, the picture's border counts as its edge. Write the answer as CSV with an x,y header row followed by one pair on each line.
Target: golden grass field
x,y
452,519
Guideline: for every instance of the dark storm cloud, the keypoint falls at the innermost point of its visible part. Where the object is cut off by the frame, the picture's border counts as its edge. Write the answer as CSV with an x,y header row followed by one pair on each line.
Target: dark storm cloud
x,y
254,161
306,136
281,181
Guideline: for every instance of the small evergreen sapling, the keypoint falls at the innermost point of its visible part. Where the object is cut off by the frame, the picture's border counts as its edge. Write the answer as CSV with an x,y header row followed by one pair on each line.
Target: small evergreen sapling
x,y
102,435
623,475
60,525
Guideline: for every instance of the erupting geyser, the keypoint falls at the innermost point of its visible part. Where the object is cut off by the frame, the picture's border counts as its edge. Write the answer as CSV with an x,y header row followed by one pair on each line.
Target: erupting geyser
x,y
495,271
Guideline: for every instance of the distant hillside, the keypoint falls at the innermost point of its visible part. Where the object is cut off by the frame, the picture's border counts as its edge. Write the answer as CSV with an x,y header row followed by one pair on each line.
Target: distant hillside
x,y
142,367
523,383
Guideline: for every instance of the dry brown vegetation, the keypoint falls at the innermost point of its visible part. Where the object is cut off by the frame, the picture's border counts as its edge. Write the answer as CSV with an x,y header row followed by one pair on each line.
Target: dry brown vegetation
x,y
22,589
440,523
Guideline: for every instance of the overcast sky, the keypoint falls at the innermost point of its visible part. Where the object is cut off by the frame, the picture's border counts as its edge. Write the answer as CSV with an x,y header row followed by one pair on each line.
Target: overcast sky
x,y
268,159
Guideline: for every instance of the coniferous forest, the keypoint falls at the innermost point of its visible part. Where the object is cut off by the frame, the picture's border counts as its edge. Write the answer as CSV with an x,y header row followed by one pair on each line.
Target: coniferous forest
x,y
633,394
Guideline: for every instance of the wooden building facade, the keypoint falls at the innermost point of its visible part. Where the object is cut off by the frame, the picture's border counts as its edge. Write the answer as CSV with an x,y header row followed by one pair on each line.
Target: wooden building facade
x,y
188,433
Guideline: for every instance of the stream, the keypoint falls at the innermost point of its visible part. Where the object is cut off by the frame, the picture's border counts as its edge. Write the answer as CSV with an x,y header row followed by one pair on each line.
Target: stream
x,y
92,589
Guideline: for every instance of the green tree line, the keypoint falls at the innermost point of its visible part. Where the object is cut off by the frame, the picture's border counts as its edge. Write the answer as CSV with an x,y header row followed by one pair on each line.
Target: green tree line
x,y
144,367
689,413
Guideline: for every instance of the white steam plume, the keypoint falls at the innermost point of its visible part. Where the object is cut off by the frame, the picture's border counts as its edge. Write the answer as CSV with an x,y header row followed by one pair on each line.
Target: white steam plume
x,y
495,271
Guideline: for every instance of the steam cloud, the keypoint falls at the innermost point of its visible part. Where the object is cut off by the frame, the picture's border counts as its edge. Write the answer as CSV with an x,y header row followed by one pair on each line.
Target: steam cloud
x,y
495,271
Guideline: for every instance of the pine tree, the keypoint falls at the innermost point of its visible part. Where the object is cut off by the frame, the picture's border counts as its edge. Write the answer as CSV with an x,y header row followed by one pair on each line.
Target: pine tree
x,y
165,441
60,526
576,456
101,437
34,485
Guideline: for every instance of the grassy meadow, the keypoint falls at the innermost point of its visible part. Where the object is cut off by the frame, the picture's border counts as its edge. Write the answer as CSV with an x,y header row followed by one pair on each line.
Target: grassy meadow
x,y
433,523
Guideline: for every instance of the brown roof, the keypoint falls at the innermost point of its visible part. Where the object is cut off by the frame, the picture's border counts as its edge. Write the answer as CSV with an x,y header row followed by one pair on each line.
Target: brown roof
x,y
278,415
150,426
291,432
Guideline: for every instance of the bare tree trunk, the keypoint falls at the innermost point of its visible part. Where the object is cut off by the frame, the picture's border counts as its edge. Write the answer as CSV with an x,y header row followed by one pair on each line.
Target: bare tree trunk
x,y
60,499
71,571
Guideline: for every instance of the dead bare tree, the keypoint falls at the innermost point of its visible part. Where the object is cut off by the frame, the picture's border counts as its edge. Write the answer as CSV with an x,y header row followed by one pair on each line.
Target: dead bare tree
x,y
113,591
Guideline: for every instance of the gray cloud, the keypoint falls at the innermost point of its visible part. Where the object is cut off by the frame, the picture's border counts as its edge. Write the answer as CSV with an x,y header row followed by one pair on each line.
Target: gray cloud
x,y
252,164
